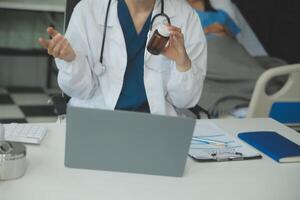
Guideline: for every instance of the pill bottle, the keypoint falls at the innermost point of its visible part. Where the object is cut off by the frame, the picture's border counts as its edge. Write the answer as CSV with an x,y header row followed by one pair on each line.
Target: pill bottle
x,y
159,40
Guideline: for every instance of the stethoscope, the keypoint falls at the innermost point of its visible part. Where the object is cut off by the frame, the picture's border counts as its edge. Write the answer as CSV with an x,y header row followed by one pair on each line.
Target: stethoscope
x,y
161,14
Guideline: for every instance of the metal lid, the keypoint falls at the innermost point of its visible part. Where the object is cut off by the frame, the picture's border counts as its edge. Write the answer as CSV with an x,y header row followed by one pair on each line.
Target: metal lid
x,y
11,150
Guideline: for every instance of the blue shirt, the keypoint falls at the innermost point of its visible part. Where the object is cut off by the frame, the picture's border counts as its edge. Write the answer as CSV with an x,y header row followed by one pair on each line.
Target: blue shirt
x,y
133,95
221,17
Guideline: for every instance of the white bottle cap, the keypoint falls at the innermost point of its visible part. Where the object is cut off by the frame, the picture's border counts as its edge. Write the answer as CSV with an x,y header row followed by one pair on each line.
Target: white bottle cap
x,y
163,30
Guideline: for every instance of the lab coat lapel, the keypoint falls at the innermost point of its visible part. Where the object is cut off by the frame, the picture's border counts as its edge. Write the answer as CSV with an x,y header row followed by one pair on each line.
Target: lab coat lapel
x,y
114,35
151,79
114,30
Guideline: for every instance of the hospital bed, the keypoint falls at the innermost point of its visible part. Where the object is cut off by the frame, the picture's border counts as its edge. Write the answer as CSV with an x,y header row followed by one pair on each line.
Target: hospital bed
x,y
233,69
284,105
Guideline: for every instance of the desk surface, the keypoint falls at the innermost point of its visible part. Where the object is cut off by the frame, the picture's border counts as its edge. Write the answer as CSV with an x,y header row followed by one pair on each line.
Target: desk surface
x,y
47,178
34,5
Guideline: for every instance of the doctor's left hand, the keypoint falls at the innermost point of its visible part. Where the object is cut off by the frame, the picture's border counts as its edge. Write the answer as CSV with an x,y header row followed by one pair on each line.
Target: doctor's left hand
x,y
176,50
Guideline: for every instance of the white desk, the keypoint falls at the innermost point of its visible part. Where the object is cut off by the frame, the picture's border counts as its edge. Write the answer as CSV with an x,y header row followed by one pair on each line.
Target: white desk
x,y
47,178
34,5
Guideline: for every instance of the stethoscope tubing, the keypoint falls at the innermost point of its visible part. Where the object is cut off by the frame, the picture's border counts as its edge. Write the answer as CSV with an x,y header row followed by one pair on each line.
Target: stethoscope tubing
x,y
162,13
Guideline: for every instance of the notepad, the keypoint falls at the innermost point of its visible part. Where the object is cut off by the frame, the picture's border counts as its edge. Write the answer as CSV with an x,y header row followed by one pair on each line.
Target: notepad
x,y
233,149
274,145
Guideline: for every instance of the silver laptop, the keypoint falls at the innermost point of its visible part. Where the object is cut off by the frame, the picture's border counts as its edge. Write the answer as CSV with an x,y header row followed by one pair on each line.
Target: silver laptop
x,y
127,141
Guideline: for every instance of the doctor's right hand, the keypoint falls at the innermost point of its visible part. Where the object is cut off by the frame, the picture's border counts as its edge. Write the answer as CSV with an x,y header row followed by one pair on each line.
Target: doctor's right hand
x,y
58,46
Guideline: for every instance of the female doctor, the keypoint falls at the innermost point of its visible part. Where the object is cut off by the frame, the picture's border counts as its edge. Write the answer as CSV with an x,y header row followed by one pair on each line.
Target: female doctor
x,y
129,77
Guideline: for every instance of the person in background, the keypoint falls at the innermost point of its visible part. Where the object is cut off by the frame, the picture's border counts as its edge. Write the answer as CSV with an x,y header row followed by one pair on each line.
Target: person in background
x,y
214,21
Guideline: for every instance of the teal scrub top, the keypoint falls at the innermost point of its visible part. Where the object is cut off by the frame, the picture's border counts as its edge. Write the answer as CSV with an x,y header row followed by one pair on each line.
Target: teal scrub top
x,y
133,95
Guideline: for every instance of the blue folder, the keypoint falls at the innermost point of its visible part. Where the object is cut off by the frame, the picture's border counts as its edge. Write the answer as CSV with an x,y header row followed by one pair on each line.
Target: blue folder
x,y
274,145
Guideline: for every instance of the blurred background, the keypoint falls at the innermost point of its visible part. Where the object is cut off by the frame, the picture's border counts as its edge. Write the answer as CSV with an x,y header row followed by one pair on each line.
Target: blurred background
x,y
269,29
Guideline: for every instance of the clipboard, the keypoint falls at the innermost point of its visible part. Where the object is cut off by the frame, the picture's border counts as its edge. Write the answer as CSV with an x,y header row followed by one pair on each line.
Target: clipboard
x,y
233,150
237,156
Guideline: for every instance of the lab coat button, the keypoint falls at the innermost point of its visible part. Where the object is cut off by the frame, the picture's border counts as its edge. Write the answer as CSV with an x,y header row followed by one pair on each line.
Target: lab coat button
x,y
99,69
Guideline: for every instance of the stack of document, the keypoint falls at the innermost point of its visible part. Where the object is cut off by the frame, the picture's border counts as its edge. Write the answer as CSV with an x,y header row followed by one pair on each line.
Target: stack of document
x,y
211,143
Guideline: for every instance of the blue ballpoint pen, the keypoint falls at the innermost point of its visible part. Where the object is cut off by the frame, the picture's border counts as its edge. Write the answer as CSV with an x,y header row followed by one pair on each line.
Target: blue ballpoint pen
x,y
208,141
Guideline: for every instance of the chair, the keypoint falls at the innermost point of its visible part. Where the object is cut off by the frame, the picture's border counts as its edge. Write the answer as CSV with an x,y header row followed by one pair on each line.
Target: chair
x,y
284,105
70,5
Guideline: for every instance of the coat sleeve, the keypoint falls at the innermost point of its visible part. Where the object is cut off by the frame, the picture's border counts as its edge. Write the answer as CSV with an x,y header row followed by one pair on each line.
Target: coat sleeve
x,y
76,78
185,88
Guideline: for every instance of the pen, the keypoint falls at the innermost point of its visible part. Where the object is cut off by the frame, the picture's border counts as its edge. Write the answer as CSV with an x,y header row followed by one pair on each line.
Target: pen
x,y
208,141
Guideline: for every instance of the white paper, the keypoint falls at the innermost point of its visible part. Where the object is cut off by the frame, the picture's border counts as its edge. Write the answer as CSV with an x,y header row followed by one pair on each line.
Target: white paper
x,y
209,130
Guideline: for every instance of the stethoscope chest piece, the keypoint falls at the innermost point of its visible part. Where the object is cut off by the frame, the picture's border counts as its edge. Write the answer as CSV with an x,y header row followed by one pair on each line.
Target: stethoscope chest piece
x,y
99,69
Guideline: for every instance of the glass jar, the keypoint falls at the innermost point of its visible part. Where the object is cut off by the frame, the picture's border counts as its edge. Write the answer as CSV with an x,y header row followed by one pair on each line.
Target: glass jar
x,y
159,40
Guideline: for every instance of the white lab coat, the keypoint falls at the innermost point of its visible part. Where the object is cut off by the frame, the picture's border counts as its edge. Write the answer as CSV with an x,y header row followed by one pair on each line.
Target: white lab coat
x,y
95,85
